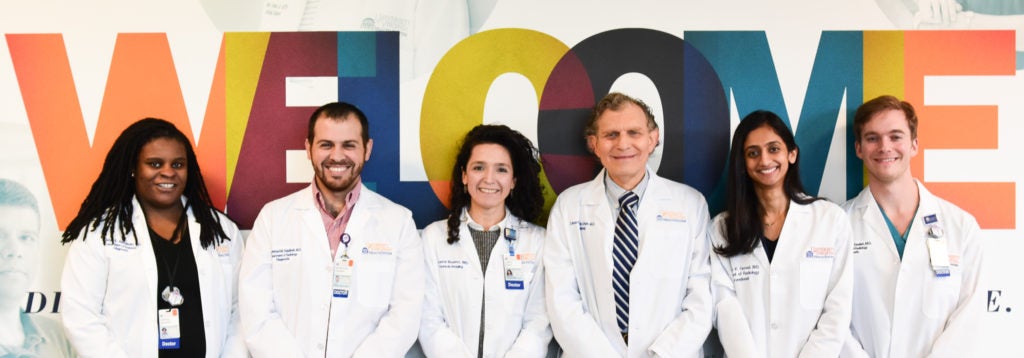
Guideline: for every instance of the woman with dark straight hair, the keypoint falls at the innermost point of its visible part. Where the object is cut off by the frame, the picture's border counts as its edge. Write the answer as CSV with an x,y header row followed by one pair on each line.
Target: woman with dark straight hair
x,y
781,272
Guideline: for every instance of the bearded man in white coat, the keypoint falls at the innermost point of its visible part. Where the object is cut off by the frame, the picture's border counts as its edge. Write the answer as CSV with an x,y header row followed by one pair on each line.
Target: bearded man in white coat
x,y
626,254
334,269
916,257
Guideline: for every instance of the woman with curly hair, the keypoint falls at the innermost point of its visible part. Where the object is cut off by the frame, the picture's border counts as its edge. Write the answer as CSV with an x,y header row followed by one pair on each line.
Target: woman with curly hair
x,y
483,262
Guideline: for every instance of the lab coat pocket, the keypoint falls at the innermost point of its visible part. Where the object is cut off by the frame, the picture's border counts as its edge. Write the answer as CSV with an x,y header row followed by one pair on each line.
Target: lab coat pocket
x,y
941,293
375,281
814,274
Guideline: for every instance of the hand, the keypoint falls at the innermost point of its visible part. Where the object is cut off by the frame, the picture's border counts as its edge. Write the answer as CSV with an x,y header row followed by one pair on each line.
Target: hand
x,y
937,11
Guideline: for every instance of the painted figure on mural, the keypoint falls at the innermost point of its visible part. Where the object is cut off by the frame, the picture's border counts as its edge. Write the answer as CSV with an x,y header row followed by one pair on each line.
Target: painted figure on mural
x,y
153,265
626,255
917,257
499,279
23,334
782,277
427,29
334,269
962,14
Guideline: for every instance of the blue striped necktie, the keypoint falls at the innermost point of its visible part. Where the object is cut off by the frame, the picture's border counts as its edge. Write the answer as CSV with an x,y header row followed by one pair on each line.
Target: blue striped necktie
x,y
624,253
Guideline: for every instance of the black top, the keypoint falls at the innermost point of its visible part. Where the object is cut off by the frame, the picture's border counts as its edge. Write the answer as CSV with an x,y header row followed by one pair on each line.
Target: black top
x,y
769,247
186,278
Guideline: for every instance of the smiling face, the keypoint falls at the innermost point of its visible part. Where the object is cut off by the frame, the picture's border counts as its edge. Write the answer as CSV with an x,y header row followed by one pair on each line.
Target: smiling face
x,y
19,241
886,147
488,176
161,173
623,142
337,153
767,158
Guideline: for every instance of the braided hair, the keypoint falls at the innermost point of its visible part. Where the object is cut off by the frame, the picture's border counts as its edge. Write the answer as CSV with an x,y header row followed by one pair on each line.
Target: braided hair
x,y
109,203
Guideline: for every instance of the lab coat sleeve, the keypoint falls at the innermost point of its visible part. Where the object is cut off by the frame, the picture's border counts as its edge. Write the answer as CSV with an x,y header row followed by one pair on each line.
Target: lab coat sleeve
x,y
265,332
436,338
83,289
833,328
396,330
536,332
234,344
736,337
574,329
957,339
685,335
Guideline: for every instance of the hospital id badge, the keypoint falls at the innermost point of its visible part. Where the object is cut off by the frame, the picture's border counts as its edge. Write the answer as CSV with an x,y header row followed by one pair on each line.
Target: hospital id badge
x,y
342,282
938,254
170,328
513,273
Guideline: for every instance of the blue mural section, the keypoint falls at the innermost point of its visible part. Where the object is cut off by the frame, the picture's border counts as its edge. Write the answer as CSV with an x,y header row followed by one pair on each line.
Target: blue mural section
x,y
368,77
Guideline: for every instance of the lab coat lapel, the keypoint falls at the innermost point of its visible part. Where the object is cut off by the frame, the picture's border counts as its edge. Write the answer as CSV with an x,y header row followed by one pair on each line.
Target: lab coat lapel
x,y
645,213
310,213
925,206
798,221
874,220
360,219
597,239
202,260
468,247
146,255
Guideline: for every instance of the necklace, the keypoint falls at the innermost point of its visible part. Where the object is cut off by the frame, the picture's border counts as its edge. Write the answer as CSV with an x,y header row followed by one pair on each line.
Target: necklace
x,y
770,224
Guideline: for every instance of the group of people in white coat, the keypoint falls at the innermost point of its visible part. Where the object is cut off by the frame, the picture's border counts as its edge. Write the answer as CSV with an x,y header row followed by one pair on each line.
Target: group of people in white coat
x,y
630,264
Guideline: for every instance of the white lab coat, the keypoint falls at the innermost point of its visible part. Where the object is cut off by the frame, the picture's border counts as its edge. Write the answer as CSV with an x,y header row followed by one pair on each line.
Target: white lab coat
x,y
109,293
901,309
516,320
670,298
285,283
799,304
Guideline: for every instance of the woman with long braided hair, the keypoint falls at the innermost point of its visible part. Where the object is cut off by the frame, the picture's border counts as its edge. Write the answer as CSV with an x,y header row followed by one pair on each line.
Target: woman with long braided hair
x,y
152,267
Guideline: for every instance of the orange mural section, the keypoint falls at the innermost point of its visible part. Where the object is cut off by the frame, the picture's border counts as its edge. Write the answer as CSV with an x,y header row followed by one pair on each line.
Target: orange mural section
x,y
51,103
211,149
142,82
960,53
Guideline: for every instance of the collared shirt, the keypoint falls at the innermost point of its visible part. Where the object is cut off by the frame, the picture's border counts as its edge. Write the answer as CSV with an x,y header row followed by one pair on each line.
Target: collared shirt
x,y
614,191
335,226
43,338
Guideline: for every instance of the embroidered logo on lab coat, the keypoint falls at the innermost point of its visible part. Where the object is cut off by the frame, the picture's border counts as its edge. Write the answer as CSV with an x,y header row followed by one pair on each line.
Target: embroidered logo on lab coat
x,y
821,253
672,216
378,248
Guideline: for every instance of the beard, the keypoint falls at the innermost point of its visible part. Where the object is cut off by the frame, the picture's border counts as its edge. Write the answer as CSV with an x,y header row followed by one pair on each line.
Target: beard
x,y
336,184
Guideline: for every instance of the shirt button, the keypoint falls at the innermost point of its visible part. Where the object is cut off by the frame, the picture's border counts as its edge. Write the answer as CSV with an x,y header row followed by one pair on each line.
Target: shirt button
x,y
320,346
775,326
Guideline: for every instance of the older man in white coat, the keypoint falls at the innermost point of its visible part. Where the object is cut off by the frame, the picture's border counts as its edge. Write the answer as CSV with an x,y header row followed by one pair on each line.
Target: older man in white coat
x,y
917,258
334,269
627,253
